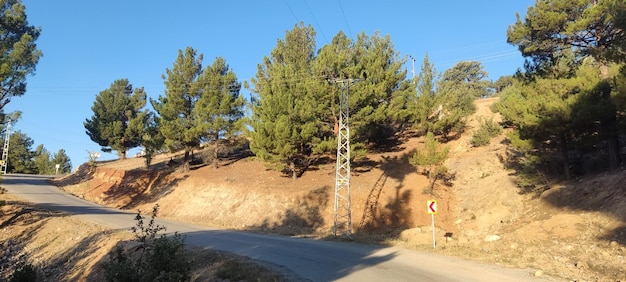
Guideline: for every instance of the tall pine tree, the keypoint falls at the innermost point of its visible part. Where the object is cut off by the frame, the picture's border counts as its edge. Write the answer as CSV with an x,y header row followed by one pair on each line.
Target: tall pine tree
x,y
118,119
18,51
219,110
183,89
42,160
285,122
61,159
558,32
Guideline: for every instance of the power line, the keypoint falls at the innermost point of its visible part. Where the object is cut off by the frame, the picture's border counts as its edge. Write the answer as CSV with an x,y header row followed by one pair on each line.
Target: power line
x,y
344,18
290,10
315,20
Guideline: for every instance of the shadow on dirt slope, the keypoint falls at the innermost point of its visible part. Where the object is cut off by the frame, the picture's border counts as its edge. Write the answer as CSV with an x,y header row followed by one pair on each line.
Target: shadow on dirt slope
x,y
604,193
303,218
394,216
28,215
142,187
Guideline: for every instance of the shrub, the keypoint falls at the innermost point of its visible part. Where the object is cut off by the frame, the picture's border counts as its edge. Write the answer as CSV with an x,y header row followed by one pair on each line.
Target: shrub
x,y
156,258
24,273
488,129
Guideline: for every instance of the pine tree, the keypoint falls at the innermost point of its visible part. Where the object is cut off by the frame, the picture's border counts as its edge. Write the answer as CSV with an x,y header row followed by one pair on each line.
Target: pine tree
x,y
183,89
63,160
119,118
285,119
555,33
423,103
21,156
42,161
454,102
152,140
378,103
18,51
219,110
432,158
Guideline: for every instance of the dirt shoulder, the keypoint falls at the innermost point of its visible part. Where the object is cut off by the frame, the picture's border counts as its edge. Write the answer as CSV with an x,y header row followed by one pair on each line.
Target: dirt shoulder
x,y
62,247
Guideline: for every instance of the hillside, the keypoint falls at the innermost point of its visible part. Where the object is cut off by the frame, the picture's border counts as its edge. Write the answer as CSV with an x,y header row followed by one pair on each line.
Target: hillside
x,y
574,230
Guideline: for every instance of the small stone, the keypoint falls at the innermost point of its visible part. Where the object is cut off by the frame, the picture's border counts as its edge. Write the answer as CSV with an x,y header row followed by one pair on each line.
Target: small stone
x,y
458,221
538,273
613,244
492,238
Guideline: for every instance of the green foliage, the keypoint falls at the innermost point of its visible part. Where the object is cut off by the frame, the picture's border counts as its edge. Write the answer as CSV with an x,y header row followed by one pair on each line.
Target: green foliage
x,y
92,158
286,124
454,101
432,158
42,161
18,51
551,29
238,270
503,82
157,258
63,160
152,140
525,159
46,163
118,120
487,130
378,104
199,104
423,103
219,110
24,273
21,156
295,105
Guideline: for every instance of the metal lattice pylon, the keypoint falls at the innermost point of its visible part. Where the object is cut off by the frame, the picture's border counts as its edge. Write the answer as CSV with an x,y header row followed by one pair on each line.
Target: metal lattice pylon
x,y
342,208
5,149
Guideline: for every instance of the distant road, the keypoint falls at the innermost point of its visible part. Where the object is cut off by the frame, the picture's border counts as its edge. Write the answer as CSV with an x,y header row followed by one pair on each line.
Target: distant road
x,y
301,259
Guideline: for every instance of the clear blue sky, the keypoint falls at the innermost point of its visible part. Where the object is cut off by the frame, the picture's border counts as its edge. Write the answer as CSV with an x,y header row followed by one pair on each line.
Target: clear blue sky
x,y
89,44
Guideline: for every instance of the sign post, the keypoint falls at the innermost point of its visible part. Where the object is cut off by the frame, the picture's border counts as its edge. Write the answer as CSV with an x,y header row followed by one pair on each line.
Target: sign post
x,y
432,210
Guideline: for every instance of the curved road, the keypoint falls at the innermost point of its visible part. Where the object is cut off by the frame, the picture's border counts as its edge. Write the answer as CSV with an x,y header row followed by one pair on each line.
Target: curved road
x,y
301,259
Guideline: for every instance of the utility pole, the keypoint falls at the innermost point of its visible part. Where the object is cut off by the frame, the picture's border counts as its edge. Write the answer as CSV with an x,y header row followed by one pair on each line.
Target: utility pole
x,y
342,208
5,149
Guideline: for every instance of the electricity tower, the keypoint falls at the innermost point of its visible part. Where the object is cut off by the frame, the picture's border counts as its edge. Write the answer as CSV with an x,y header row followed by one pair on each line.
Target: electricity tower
x,y
5,149
343,215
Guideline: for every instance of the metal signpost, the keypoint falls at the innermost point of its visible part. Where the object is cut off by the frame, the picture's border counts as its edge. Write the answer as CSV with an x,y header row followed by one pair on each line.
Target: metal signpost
x,y
432,210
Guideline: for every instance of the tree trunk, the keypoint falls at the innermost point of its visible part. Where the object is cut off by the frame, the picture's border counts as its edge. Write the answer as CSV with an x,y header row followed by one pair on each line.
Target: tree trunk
x,y
292,167
615,159
432,177
609,126
216,155
185,167
122,155
565,156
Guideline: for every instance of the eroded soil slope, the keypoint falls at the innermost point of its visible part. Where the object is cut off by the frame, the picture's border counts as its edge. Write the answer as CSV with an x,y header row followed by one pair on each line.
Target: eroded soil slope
x,y
575,230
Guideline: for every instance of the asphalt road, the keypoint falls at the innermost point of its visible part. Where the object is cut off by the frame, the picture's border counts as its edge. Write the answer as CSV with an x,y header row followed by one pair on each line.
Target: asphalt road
x,y
301,259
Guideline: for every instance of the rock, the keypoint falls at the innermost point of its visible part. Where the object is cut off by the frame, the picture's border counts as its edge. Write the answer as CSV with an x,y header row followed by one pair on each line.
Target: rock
x,y
538,273
492,238
458,221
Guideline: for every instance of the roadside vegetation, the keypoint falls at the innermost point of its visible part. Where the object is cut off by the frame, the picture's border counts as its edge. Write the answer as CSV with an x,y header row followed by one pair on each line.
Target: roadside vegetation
x,y
565,111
